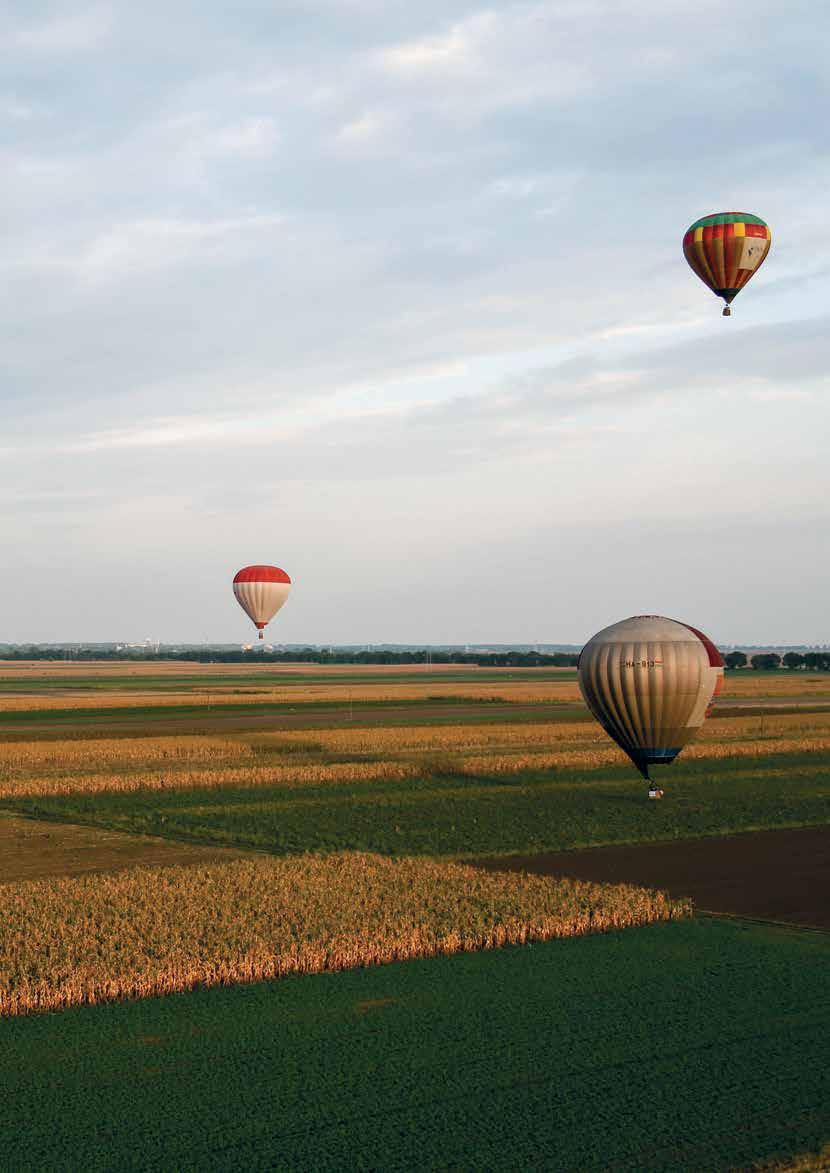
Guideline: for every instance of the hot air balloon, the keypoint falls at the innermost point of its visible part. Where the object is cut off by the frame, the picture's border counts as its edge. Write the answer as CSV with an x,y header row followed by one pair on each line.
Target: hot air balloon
x,y
650,681
260,592
725,249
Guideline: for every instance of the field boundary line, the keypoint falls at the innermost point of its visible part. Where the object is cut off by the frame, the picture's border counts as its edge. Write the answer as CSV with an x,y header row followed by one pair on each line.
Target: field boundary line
x,y
702,913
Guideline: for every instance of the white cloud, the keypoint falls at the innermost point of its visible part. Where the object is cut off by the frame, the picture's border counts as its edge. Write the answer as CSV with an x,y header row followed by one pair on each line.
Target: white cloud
x,y
361,130
16,110
254,138
79,32
142,245
455,51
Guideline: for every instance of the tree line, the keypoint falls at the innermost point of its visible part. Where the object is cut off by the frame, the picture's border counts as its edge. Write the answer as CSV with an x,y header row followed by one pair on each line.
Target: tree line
x,y
764,661
506,659
769,661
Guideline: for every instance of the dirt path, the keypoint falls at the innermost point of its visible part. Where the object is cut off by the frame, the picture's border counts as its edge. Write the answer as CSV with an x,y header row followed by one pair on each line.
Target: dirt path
x,y
771,875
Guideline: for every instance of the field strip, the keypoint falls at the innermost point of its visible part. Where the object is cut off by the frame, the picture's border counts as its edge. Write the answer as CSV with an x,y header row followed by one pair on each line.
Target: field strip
x,y
32,849
74,752
65,755
150,931
596,758
250,776
589,758
522,691
505,734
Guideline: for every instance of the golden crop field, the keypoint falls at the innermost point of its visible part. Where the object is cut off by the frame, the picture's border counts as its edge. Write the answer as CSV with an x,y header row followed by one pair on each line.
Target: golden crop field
x,y
158,930
102,783
363,753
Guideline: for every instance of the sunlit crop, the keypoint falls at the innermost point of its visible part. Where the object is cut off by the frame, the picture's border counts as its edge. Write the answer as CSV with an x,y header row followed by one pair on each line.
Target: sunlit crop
x,y
69,754
157,930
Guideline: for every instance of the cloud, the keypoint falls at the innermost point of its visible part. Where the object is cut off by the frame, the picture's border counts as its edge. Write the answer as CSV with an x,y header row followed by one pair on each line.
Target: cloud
x,y
361,130
76,32
457,50
151,244
389,285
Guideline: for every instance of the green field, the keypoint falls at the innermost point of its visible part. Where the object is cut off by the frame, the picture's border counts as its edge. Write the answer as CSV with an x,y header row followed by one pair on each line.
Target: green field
x,y
689,1046
444,814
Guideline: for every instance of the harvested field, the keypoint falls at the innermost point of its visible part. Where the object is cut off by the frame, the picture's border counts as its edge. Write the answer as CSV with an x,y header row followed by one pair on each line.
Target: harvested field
x,y
771,875
158,930
33,849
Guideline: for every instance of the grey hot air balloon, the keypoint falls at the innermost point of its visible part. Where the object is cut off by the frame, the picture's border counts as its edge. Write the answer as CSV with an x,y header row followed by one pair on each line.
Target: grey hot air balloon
x,y
649,681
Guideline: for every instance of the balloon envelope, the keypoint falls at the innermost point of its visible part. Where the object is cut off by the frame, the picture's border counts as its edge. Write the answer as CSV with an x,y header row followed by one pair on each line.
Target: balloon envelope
x,y
260,592
649,681
726,250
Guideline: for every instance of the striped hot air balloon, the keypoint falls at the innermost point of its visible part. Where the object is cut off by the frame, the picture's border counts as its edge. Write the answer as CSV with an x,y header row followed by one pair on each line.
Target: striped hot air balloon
x,y
725,249
260,592
650,681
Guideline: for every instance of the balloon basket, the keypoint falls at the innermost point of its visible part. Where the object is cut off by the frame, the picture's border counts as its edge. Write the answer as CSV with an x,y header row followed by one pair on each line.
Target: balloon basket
x,y
655,792
727,312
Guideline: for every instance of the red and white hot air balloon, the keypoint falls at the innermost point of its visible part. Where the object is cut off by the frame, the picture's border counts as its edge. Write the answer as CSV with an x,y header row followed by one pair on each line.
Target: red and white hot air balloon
x,y
260,592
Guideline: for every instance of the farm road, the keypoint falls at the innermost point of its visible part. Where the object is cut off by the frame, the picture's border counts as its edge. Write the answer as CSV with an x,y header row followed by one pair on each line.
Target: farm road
x,y
769,875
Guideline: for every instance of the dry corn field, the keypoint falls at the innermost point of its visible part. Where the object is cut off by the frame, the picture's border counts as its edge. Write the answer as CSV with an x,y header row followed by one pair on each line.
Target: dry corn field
x,y
353,754
158,930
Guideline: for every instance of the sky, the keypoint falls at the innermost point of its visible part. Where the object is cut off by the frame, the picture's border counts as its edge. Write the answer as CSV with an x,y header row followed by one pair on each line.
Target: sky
x,y
392,295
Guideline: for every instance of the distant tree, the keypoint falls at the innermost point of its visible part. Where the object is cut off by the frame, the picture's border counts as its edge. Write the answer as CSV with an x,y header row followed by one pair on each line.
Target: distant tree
x,y
817,661
793,660
766,661
735,660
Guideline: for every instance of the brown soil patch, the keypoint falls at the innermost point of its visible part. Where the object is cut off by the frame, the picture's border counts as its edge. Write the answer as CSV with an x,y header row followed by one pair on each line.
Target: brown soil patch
x,y
33,850
770,875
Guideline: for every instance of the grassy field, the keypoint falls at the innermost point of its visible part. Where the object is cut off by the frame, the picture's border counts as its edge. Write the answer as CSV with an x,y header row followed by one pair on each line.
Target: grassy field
x,y
690,1046
358,792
